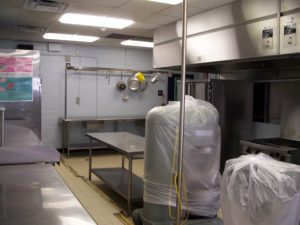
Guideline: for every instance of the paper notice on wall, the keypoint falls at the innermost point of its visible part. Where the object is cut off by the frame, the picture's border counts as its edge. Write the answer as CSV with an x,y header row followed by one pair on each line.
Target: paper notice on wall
x,y
267,38
16,67
290,35
15,89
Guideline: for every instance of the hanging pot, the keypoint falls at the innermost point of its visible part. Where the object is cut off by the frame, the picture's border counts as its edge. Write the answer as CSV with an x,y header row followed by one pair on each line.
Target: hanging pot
x,y
121,86
133,84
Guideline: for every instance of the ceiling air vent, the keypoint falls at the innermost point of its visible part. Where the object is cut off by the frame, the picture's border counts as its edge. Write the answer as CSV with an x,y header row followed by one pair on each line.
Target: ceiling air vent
x,y
45,6
127,37
31,29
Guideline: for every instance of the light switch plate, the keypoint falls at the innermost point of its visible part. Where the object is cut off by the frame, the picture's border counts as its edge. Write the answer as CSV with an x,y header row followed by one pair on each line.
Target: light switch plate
x,y
77,100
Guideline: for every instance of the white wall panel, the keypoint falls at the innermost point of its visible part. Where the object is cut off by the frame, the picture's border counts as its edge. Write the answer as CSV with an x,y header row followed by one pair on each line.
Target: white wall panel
x,y
97,97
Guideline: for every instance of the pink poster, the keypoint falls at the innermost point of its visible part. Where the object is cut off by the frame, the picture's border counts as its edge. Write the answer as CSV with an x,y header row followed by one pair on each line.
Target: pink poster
x,y
16,66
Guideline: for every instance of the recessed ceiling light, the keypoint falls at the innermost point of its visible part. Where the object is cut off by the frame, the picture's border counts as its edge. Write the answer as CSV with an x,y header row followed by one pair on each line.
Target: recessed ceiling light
x,y
70,37
171,2
146,44
95,21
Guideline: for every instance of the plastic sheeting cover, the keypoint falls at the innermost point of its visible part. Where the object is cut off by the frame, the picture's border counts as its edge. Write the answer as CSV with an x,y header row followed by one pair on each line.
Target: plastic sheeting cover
x,y
201,156
257,189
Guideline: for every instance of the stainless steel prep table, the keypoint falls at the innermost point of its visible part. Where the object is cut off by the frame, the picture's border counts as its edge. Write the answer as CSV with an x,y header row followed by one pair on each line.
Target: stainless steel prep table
x,y
68,120
36,195
123,181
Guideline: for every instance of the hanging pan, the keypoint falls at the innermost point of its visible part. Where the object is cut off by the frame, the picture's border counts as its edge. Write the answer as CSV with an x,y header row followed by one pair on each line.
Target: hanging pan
x,y
134,83
121,85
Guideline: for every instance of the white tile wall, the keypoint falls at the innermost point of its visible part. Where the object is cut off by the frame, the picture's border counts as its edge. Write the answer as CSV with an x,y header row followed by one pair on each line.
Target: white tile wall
x,y
97,95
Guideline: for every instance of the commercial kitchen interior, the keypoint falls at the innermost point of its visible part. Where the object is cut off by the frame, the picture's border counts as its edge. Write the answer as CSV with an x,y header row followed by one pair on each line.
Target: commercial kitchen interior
x,y
93,123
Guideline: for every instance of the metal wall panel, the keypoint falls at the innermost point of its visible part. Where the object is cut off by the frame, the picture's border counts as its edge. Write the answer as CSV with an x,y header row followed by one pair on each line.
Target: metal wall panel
x,y
233,100
239,42
290,119
289,4
167,55
229,32
290,43
279,92
232,14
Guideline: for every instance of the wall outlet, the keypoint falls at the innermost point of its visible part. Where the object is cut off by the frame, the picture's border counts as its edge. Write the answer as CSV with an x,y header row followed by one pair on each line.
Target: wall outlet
x,y
67,58
125,97
77,100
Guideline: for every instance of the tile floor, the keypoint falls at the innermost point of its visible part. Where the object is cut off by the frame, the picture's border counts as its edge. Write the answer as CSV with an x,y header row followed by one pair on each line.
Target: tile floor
x,y
101,203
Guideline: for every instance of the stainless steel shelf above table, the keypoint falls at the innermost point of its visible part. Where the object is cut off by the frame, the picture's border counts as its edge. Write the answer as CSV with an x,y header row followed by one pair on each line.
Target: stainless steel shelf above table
x,y
69,120
121,180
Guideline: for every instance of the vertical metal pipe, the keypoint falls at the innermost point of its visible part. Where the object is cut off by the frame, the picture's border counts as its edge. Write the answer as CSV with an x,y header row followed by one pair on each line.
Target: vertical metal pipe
x,y
90,157
182,111
66,88
129,191
2,125
278,26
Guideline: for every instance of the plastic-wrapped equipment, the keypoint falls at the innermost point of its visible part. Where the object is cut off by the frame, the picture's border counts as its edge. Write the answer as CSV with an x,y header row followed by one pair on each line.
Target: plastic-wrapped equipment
x,y
200,163
259,190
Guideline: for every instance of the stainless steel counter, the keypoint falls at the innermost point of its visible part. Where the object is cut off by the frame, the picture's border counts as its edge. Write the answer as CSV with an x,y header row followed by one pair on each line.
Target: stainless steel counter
x,y
36,195
16,155
121,180
17,133
69,120
22,146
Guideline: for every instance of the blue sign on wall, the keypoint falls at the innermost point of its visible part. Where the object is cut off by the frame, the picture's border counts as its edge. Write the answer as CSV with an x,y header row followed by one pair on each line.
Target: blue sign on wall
x,y
15,89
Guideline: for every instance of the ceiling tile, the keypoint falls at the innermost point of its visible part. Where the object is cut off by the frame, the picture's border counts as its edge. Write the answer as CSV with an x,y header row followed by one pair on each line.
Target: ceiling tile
x,y
204,4
66,29
144,6
96,32
12,3
108,3
127,14
148,34
176,11
9,16
160,19
88,9
33,18
144,26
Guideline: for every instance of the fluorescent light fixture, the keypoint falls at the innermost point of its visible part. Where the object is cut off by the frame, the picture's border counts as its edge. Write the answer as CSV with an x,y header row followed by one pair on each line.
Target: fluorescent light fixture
x,y
70,37
171,2
146,44
95,21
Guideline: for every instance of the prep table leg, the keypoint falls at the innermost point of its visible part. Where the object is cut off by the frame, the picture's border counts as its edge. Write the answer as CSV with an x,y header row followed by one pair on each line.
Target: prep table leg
x,y
90,158
129,184
67,138
63,137
123,162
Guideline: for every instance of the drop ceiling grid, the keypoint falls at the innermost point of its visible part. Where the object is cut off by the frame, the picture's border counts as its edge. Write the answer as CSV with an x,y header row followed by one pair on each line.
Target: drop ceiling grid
x,y
12,3
146,14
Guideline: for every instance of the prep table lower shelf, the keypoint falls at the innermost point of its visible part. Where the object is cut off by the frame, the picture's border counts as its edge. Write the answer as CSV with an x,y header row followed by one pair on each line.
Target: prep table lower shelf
x,y
117,179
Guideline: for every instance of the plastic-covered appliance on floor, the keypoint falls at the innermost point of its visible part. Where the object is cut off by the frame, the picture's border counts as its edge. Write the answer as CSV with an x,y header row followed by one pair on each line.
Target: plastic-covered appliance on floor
x,y
259,190
201,178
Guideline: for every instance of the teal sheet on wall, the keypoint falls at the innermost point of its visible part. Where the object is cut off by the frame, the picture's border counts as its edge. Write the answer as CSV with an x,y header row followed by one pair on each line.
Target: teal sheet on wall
x,y
15,89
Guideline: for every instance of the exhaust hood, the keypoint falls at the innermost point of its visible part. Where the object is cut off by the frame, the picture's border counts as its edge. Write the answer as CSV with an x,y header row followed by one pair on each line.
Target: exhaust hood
x,y
242,35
